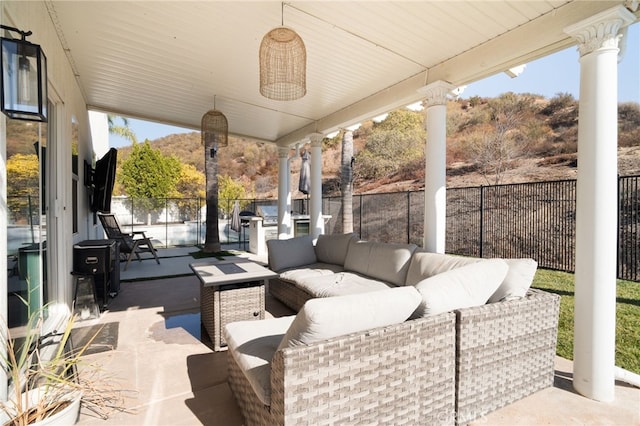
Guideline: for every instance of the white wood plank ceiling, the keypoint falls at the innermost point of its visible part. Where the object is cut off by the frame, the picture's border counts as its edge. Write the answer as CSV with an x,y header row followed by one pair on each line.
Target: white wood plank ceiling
x,y
167,61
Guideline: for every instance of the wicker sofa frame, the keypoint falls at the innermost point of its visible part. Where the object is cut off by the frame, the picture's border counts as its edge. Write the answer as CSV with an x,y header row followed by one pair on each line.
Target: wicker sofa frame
x,y
292,296
505,351
401,374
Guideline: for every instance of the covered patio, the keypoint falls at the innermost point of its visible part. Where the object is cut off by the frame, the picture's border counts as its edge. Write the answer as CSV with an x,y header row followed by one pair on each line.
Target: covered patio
x,y
164,356
171,62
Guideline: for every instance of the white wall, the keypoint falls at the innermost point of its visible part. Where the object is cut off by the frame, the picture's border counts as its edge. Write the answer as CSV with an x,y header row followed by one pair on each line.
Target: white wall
x,y
69,104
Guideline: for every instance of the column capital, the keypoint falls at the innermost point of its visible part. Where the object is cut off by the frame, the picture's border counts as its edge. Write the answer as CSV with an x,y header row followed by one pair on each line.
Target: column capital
x,y
316,139
601,30
283,152
436,93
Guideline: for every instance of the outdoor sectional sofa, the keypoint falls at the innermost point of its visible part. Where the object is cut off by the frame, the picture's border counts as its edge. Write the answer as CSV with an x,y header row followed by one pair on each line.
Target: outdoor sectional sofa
x,y
391,334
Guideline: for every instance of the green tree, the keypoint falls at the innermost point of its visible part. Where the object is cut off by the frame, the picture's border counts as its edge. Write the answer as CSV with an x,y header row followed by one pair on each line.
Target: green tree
x,y
23,176
149,176
230,190
189,187
402,120
397,140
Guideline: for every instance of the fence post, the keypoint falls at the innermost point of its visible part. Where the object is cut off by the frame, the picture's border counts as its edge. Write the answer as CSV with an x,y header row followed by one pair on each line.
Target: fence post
x,y
132,214
619,197
360,215
481,221
408,217
166,223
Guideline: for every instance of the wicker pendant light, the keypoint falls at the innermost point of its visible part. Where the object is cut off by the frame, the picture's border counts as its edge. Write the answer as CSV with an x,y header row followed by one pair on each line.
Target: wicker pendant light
x,y
283,65
215,130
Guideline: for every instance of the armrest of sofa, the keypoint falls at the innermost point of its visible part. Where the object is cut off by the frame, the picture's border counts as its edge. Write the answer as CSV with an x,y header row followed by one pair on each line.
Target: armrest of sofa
x,y
402,373
504,352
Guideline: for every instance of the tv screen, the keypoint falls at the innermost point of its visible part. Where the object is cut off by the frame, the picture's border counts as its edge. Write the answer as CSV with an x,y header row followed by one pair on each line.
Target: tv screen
x,y
104,178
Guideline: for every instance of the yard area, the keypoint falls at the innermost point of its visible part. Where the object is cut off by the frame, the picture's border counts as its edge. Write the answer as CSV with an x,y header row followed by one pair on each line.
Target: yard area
x,y
627,316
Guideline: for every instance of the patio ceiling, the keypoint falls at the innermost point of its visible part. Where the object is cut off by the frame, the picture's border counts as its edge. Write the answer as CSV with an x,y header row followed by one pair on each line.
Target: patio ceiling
x,y
168,61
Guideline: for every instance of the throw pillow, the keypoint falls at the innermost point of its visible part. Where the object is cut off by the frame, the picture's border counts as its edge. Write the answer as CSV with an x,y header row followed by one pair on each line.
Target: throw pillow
x,y
333,248
328,317
463,287
517,281
424,265
284,254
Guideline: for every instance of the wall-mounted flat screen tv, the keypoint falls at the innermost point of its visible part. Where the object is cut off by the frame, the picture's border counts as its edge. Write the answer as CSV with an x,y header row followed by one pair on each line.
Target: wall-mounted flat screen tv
x,y
104,178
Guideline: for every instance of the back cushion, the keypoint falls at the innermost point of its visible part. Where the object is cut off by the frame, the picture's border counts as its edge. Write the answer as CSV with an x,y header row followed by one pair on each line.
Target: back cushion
x,y
333,248
517,281
463,287
328,317
382,261
424,265
284,254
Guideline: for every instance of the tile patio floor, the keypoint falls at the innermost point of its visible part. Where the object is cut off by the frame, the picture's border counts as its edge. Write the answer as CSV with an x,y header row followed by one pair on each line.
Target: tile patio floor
x,y
174,378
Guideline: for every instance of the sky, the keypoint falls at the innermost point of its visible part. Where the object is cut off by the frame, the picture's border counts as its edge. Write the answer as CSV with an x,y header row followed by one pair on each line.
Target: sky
x,y
548,76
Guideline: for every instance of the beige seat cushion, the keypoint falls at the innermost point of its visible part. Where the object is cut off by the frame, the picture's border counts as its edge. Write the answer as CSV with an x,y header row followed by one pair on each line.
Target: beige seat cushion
x,y
325,318
333,248
314,270
339,284
463,287
252,344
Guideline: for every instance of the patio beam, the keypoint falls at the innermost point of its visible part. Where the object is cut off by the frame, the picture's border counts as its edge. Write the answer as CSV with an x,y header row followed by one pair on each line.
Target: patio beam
x,y
523,44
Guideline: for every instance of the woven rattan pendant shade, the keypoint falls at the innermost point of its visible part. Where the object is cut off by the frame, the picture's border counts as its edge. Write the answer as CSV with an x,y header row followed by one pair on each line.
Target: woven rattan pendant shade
x,y
283,65
215,129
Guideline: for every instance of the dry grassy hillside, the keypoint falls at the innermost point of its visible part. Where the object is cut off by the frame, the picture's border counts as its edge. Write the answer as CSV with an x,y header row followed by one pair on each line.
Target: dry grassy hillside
x,y
540,136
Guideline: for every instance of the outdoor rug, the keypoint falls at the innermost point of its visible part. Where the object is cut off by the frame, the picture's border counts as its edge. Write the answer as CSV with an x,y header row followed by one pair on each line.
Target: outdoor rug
x,y
105,340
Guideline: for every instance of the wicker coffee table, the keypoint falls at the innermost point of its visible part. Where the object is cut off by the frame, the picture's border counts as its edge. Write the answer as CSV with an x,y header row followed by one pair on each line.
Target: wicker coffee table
x,y
230,290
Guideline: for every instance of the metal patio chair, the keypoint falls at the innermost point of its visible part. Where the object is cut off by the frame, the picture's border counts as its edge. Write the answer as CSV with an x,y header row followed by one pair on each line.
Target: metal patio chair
x,y
130,244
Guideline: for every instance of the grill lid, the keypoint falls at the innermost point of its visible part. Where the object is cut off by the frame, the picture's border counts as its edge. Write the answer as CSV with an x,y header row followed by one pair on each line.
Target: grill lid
x,y
268,213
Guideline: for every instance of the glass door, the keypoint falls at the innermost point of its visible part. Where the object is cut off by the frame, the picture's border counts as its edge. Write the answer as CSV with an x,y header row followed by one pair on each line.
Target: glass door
x,y
26,221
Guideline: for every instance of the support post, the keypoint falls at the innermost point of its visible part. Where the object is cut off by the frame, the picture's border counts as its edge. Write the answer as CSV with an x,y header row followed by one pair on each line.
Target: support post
x,y
284,194
316,221
596,204
435,177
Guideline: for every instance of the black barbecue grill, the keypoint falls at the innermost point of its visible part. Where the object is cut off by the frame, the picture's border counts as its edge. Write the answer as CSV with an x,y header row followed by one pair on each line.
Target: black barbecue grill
x,y
269,215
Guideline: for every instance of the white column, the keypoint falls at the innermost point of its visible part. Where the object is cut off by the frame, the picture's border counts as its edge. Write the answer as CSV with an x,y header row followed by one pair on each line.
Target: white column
x,y
316,221
435,177
99,125
284,194
596,208
4,217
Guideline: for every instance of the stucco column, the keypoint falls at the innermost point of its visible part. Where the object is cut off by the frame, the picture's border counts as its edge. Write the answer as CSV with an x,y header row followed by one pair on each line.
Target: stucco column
x,y
284,194
435,177
316,222
596,205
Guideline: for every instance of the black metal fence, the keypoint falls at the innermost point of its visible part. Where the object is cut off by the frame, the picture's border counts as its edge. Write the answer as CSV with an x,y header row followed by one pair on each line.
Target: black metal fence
x,y
534,220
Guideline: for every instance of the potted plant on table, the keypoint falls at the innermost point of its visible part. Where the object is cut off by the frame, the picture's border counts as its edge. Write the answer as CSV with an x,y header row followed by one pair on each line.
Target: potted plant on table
x,y
41,367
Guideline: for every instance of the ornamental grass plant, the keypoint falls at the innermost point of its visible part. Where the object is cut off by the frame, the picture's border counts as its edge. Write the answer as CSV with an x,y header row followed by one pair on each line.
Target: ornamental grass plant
x,y
42,370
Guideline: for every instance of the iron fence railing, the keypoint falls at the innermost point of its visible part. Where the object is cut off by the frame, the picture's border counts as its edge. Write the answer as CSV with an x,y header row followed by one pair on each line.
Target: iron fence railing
x,y
534,220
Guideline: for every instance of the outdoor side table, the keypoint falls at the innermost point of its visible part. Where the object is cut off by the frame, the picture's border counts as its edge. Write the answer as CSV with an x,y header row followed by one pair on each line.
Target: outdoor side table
x,y
230,290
